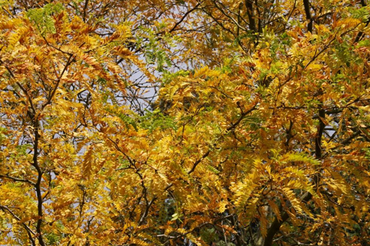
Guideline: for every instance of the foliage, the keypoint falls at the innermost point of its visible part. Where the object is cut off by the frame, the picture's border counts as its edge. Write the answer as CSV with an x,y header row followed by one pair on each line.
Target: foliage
x,y
207,122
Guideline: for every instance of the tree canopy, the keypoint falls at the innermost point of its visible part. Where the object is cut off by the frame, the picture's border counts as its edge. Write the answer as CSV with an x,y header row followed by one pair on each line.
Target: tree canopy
x,y
171,122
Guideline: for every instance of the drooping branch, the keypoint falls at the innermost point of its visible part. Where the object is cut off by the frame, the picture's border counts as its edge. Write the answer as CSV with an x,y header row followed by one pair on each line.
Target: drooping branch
x,y
30,232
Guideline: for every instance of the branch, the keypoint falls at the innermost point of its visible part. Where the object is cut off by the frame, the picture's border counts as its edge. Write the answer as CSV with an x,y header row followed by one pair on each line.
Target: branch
x,y
185,15
28,229
38,183
198,161
121,151
252,23
228,16
70,60
219,23
145,214
17,179
241,118
35,163
228,129
306,4
360,35
275,226
22,88
84,11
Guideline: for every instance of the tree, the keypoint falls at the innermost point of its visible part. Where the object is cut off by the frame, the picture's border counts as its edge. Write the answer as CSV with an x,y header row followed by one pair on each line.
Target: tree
x,y
207,122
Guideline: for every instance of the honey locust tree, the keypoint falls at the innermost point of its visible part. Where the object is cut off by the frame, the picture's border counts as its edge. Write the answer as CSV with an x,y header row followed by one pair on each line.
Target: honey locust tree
x,y
184,122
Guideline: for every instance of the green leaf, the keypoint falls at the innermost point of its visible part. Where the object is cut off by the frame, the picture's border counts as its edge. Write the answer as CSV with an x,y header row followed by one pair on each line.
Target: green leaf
x,y
41,17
